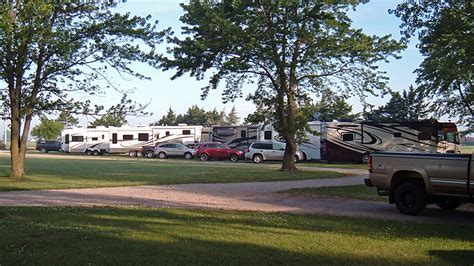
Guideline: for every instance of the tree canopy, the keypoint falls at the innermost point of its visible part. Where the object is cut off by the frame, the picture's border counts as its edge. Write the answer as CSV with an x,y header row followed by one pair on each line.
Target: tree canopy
x,y
288,49
50,49
48,129
333,107
445,31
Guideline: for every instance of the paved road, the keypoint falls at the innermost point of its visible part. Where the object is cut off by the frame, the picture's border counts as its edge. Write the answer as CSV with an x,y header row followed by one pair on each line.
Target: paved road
x,y
258,196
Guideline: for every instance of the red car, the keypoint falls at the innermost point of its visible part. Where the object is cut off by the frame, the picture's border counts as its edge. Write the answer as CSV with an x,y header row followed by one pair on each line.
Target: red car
x,y
216,150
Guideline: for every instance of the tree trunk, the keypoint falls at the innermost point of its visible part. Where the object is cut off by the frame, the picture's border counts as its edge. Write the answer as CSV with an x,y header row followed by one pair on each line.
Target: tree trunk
x,y
288,164
17,151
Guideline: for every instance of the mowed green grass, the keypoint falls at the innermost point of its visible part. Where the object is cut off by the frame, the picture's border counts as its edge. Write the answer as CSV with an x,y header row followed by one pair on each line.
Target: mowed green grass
x,y
54,173
467,149
141,236
360,192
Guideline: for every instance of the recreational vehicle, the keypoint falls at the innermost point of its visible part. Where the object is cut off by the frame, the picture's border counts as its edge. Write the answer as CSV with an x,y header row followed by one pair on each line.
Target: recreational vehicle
x,y
237,137
99,140
353,141
310,146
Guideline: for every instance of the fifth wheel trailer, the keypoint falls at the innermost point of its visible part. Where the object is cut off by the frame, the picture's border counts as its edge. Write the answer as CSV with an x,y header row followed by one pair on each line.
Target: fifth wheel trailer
x,y
127,139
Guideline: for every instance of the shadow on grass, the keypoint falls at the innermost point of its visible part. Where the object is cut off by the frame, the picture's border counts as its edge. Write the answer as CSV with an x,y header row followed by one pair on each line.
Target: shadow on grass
x,y
150,236
451,256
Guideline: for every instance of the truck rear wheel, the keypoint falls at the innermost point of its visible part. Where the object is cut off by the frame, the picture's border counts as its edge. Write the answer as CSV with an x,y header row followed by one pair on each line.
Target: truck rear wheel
x,y
448,204
411,198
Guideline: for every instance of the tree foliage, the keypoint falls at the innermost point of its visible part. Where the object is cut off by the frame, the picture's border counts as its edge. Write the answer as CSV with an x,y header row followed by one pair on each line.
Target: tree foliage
x,y
116,115
48,129
49,49
67,119
410,105
333,107
288,48
232,118
445,31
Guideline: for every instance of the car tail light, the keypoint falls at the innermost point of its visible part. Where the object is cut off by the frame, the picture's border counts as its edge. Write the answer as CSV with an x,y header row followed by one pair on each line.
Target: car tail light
x,y
369,164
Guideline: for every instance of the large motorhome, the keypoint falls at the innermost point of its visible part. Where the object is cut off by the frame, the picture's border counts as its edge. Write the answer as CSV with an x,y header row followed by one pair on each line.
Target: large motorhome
x,y
125,139
237,137
353,141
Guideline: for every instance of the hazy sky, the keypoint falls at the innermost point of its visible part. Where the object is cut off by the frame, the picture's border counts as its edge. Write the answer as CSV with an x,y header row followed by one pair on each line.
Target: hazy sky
x,y
161,92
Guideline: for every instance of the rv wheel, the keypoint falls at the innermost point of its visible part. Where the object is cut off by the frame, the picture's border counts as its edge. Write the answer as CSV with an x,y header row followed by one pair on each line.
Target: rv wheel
x,y
89,152
365,157
96,153
150,154
132,153
139,154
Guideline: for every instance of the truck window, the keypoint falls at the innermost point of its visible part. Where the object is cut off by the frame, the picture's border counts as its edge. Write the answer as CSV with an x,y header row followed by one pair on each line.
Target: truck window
x,y
451,137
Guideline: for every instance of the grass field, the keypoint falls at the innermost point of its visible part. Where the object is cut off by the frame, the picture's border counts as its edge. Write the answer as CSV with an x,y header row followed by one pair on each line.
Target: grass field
x,y
53,173
360,192
467,149
97,236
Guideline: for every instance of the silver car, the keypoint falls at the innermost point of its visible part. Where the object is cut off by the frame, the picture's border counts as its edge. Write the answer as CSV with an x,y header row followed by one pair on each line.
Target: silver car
x,y
266,151
166,150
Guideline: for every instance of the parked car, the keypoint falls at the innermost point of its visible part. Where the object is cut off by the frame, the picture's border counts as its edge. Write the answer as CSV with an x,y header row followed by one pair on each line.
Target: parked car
x,y
267,151
216,150
45,146
165,150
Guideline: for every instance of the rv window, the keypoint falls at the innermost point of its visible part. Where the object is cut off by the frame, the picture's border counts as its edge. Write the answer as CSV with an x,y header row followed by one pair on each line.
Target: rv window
x,y
186,132
397,135
127,137
66,141
103,137
424,136
348,137
267,135
243,134
77,139
143,136
167,133
114,138
94,138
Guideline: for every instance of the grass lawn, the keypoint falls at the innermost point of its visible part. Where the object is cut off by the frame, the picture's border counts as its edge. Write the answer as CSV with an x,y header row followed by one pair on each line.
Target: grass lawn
x,y
467,149
360,192
141,236
54,173
362,166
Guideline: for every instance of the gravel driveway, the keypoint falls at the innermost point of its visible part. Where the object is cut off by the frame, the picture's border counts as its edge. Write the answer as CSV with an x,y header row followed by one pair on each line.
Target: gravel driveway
x,y
255,196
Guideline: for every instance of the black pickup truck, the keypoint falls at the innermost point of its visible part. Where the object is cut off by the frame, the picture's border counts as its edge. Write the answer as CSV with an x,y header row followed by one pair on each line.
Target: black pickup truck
x,y
45,146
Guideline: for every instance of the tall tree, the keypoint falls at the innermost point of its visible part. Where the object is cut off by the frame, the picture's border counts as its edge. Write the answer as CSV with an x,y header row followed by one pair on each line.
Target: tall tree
x,y
116,115
446,35
51,48
232,117
193,116
67,119
168,119
410,105
333,107
288,48
48,129
214,118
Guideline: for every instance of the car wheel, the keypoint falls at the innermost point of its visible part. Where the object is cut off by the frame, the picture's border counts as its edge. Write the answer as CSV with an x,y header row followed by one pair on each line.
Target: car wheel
x,y
44,150
448,204
150,154
132,153
411,198
96,153
234,157
257,158
162,155
204,157
188,156
297,159
365,157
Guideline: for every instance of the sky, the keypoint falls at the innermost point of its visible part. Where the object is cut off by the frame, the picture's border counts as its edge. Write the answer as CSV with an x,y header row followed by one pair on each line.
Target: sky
x,y
161,93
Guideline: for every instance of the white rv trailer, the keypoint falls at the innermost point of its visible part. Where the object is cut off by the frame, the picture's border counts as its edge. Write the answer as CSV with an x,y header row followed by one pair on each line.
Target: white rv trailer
x,y
127,139
311,146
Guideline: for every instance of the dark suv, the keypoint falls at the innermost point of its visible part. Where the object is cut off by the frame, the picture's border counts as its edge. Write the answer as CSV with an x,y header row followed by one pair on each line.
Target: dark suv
x,y
45,146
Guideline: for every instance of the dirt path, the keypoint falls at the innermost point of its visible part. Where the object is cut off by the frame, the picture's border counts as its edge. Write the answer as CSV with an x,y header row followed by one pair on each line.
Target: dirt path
x,y
258,196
